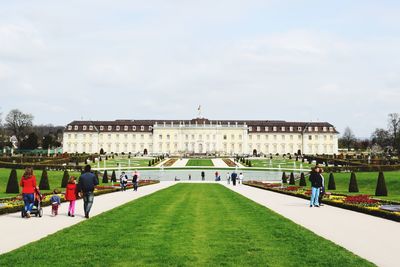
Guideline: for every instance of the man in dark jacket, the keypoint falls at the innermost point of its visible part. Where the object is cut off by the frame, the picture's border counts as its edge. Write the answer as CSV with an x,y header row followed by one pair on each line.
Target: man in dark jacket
x,y
86,184
316,184
233,178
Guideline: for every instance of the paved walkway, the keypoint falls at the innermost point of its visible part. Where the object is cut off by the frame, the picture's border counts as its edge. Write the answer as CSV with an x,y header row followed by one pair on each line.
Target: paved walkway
x,y
180,163
14,230
219,163
372,238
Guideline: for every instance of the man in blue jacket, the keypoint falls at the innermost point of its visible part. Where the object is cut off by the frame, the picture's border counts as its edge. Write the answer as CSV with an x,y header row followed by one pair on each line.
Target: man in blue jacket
x,y
86,184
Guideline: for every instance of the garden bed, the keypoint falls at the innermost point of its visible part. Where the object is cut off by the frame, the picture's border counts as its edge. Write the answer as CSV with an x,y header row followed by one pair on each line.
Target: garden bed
x,y
359,203
15,204
229,162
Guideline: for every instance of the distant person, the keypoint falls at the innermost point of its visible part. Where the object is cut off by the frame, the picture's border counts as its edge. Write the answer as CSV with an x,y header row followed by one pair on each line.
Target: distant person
x,y
216,176
86,184
228,177
28,184
233,178
135,180
123,181
203,175
190,177
241,177
71,193
55,201
322,189
316,184
177,179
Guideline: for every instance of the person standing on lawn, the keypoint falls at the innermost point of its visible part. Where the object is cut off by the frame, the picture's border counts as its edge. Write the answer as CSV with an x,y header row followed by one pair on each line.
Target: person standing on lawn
x,y
86,184
71,193
28,184
316,184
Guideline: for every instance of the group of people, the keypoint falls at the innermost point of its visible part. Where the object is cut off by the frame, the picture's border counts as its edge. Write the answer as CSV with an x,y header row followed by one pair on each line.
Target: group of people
x,y
317,186
123,180
234,177
83,188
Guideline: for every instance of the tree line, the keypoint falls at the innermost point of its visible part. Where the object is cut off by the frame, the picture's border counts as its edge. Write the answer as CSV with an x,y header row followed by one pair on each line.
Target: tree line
x,y
19,125
381,140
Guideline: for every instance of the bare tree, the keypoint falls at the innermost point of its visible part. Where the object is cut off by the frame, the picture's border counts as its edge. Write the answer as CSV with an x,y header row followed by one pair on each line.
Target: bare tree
x,y
348,138
18,123
394,125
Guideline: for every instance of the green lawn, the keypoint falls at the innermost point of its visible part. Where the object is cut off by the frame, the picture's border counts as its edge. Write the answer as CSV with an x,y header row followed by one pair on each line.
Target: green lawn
x,y
55,178
275,163
367,183
185,225
199,162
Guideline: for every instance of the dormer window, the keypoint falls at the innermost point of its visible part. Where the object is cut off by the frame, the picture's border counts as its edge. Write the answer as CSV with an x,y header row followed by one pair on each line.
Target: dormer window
x,y
126,128
274,129
266,129
142,128
91,127
291,128
150,128
84,127
133,128
109,127
250,128
101,128
316,129
258,128
76,128
283,129
69,127
310,129
118,128
299,129
331,129
324,129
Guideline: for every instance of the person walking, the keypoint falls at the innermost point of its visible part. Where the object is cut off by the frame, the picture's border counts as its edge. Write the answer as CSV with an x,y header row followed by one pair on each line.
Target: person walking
x,y
86,184
216,176
190,177
228,178
316,184
123,181
203,175
135,180
71,193
233,178
55,201
28,184
241,177
322,189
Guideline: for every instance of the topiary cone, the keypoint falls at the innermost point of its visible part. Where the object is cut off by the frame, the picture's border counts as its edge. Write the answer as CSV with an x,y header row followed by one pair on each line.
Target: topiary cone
x,y
331,183
44,181
284,178
381,189
353,187
302,180
291,180
105,177
12,184
113,177
64,180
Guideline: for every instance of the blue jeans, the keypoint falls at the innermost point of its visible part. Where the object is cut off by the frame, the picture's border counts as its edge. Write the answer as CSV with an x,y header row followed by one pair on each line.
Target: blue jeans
x,y
87,201
28,201
314,196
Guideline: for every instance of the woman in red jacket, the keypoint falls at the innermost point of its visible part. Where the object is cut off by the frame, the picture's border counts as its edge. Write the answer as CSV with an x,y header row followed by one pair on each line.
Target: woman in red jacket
x,y
70,195
28,183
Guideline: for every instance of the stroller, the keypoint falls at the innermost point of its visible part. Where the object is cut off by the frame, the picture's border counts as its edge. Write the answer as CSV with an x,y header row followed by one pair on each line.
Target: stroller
x,y
37,205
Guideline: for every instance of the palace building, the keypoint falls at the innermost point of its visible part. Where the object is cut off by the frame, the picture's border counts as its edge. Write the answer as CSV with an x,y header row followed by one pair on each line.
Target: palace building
x,y
200,136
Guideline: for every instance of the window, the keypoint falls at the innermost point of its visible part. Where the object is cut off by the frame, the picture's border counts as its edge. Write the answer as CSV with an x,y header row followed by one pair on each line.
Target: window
x,y
142,128
316,129
250,128
150,128
109,128
91,127
76,128
125,128
224,136
299,129
101,128
309,137
133,128
117,128
160,137
291,137
168,137
283,137
232,136
324,129
291,128
84,127
310,129
283,129
69,127
258,128
274,129
240,136
331,129
266,129
258,137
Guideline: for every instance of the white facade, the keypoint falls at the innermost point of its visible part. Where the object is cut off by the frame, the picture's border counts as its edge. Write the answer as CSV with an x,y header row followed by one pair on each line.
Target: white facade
x,y
200,136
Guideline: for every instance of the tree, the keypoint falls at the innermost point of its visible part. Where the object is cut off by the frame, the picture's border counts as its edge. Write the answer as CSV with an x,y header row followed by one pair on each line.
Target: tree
x,y
18,123
12,184
65,179
353,186
331,183
105,177
48,141
284,178
30,143
381,189
394,125
113,177
291,180
44,181
348,138
302,180
381,137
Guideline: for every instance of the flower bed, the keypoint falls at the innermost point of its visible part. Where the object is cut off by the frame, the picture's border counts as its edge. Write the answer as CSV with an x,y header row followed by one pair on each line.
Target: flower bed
x,y
15,204
229,162
169,162
359,203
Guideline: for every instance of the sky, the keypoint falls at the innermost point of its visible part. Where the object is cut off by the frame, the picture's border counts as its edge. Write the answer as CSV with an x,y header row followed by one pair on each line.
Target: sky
x,y
335,61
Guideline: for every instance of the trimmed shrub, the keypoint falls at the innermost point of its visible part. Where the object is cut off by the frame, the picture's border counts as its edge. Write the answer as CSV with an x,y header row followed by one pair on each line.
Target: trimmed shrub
x,y
291,180
353,186
331,183
105,177
12,184
284,178
113,177
249,163
149,162
381,189
64,180
302,180
44,181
